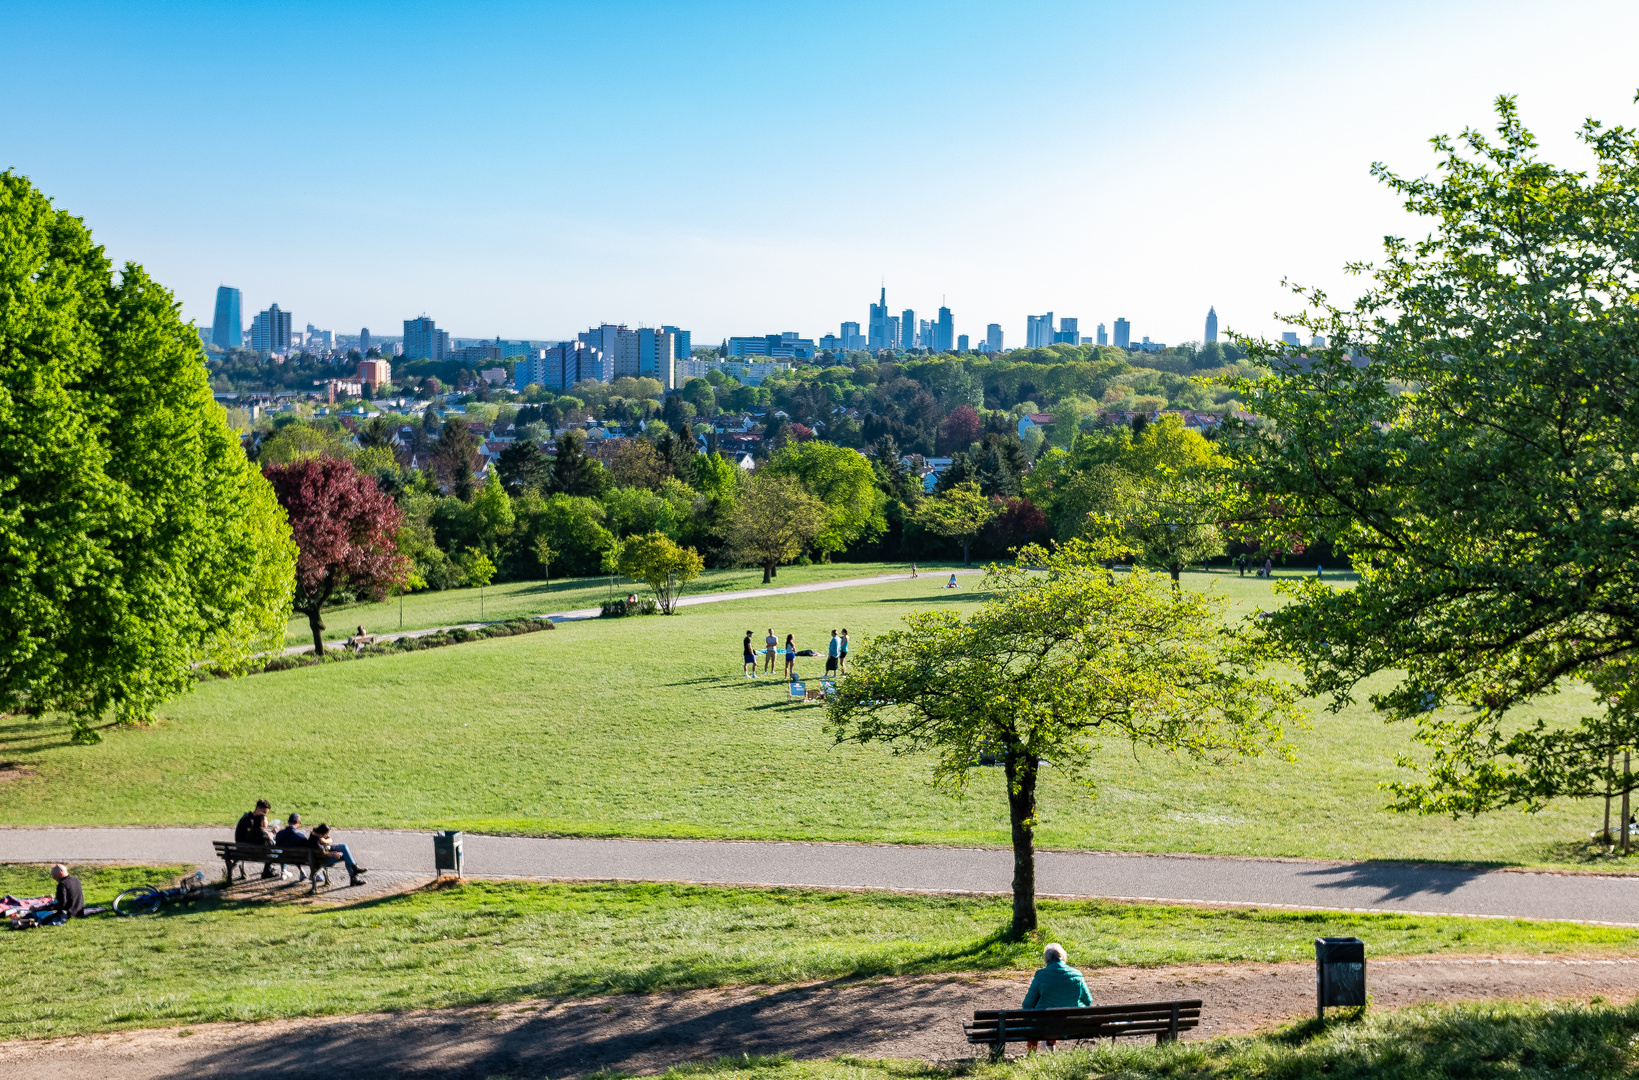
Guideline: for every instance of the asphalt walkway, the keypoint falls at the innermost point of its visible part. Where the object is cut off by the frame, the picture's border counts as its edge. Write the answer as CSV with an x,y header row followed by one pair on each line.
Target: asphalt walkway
x,y
1190,879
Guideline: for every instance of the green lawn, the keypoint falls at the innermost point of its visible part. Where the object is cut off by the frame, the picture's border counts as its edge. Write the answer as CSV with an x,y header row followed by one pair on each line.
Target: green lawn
x,y
645,727
506,941
520,599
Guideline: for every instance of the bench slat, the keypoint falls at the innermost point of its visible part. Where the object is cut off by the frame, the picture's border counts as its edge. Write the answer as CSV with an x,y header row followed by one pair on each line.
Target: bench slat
x,y
1163,1019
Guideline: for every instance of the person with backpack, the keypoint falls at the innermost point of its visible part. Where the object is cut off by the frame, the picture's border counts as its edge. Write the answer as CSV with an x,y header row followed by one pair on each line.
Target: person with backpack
x,y
252,829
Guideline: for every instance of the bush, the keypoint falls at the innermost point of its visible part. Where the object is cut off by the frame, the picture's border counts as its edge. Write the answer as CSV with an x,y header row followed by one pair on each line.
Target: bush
x,y
510,628
615,609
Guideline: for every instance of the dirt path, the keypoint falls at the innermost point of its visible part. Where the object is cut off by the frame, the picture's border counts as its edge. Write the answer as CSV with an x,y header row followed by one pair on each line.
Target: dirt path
x,y
910,1017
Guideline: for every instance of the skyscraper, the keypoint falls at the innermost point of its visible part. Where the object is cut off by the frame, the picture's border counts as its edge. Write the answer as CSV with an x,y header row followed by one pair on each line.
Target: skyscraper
x,y
1211,326
1123,333
1103,337
944,338
364,342
682,342
907,329
878,336
1038,331
851,339
270,331
993,337
425,341
1068,332
961,343
228,329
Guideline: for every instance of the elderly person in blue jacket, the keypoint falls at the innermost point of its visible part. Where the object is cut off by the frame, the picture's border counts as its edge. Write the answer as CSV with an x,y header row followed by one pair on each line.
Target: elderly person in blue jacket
x,y
1056,986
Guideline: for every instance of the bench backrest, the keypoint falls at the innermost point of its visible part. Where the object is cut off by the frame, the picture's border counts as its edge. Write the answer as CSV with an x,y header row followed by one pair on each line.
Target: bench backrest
x,y
229,849
1089,1022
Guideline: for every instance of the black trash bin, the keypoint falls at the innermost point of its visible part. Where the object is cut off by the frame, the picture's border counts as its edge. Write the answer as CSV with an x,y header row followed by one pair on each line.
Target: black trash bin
x,y
447,854
1340,974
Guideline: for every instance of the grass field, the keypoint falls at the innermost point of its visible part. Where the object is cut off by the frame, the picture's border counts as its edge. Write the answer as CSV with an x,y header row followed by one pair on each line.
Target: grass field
x,y
520,599
505,941
645,727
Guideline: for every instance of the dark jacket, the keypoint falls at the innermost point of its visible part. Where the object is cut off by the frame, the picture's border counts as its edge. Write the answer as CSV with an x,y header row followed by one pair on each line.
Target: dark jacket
x,y
1057,986
246,831
291,837
70,897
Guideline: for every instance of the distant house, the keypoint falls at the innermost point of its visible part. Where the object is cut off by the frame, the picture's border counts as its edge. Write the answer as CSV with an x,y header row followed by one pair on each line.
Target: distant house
x,y
1034,420
493,375
747,463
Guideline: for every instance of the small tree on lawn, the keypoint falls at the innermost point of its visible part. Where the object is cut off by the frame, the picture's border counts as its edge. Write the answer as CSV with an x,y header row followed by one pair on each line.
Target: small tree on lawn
x,y
1172,521
480,572
345,530
653,558
960,512
1044,672
545,552
774,521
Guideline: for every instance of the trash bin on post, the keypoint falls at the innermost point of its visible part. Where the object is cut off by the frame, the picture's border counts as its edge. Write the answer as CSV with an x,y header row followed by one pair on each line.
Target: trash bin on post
x,y
447,854
1340,974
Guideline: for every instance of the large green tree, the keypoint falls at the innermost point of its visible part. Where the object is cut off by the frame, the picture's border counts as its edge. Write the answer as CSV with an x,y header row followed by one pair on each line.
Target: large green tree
x,y
1043,674
844,481
136,540
1470,439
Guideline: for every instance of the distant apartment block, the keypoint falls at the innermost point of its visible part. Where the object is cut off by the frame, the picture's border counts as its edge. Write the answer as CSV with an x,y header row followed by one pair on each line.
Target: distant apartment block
x,y
227,329
425,341
682,342
317,340
784,346
270,331
1290,337
375,373
473,355
750,373
1123,333
559,367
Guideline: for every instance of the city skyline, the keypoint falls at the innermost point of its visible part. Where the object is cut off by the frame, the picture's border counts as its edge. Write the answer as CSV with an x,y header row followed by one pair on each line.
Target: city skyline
x,y
1246,162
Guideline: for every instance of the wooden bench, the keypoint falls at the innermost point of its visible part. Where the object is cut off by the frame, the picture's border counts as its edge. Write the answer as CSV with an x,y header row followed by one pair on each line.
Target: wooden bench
x,y
234,854
1163,1019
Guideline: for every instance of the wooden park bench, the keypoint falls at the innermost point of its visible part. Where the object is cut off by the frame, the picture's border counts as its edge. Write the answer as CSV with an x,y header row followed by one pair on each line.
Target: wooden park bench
x,y
358,641
1163,1019
234,854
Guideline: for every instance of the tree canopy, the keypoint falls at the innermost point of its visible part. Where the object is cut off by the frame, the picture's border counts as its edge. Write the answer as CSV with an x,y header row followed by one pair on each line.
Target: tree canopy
x,y
135,538
773,521
843,480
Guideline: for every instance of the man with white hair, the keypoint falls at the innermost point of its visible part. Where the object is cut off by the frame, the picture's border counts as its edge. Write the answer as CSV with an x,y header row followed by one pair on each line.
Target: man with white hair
x,y
70,900
1057,985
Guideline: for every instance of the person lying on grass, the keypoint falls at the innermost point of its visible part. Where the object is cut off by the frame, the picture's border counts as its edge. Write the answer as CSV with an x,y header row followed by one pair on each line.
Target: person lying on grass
x,y
1056,986
338,853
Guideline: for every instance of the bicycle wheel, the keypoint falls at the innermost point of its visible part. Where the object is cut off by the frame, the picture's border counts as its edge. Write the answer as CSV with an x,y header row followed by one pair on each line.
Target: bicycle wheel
x,y
142,900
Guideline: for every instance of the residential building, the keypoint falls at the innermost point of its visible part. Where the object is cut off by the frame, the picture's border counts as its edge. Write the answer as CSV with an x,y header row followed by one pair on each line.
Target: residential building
x,y
482,353
852,340
374,373
1123,333
1068,332
993,337
425,341
317,340
1211,334
879,338
646,353
364,341
494,376
270,331
944,335
831,343
785,346
907,330
227,329
961,343
682,343
1103,338
750,373
1034,420
604,340
1038,331
559,367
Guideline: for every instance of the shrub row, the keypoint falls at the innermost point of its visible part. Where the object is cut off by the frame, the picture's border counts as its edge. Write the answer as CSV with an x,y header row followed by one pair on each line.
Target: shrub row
x,y
615,609
339,653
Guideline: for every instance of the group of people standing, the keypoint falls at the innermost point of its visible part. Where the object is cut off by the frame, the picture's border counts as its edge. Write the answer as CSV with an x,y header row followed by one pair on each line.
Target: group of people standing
x,y
836,657
253,828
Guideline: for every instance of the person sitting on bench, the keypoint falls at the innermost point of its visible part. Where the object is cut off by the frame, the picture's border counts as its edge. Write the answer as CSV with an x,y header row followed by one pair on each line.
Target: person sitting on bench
x,y
1056,986
252,829
338,853
69,902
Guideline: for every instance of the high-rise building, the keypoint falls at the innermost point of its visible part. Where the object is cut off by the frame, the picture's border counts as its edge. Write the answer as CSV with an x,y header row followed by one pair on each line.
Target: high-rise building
x,y
1068,332
682,343
851,339
786,346
559,367
655,356
879,338
924,335
270,331
1289,337
425,341
893,331
228,329
944,337
993,337
364,341
907,329
1103,337
1123,333
318,339
961,343
603,340
1038,331
1211,326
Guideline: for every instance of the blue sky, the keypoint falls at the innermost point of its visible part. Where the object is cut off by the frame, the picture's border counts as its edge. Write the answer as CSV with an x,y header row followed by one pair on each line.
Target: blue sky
x,y
528,170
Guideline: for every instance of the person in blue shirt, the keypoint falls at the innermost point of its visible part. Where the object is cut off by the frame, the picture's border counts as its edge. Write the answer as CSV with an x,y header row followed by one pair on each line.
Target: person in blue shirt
x,y
1057,985
835,650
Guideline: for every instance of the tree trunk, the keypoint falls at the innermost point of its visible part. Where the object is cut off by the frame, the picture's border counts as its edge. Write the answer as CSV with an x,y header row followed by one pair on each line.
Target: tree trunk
x,y
966,543
1021,807
768,572
1174,570
774,569
317,626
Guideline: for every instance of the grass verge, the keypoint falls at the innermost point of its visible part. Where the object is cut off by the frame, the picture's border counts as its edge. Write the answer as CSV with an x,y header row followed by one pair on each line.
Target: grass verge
x,y
482,942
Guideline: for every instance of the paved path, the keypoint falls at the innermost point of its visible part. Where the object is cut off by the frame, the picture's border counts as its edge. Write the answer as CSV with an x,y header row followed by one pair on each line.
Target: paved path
x,y
1361,886
687,601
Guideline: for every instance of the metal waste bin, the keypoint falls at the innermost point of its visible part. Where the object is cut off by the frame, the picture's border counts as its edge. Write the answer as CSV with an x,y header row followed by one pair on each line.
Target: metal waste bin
x,y
1340,974
447,855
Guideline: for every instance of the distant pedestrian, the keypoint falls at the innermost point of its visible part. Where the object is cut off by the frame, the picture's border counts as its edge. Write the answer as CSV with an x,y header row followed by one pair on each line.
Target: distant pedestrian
x,y
842,658
750,658
790,658
1320,571
771,645
913,570
1268,568
833,652
1243,564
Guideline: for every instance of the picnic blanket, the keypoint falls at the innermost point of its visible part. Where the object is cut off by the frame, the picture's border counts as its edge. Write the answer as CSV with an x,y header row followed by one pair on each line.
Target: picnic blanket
x,y
11,905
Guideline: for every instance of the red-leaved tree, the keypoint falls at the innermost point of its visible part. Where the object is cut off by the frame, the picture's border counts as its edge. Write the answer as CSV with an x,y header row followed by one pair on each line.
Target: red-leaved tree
x,y
344,527
961,429
1017,522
